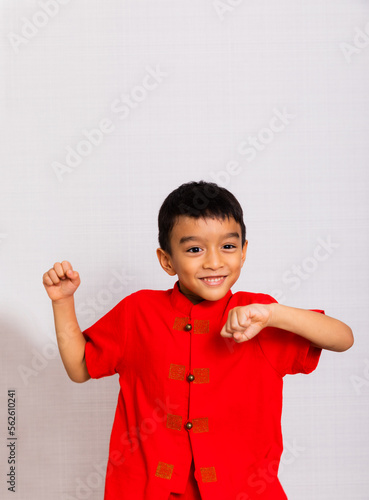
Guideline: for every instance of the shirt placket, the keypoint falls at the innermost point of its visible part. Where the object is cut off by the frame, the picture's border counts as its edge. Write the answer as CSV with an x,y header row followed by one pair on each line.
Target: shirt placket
x,y
193,321
198,424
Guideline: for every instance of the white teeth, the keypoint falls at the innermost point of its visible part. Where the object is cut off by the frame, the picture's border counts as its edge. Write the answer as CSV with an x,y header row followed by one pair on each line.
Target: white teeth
x,y
213,280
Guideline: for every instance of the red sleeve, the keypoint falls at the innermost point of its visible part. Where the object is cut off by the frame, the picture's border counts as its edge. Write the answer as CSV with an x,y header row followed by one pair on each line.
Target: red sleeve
x,y
105,342
287,352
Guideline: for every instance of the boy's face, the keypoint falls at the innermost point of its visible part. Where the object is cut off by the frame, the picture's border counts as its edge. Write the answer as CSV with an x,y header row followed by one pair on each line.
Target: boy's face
x,y
206,255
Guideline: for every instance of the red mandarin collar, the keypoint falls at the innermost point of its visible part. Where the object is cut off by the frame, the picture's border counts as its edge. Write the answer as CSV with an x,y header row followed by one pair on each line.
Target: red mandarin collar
x,y
180,302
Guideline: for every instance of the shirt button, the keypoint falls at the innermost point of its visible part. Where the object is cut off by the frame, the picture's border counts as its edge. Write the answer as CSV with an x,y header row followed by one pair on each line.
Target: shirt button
x,y
190,378
188,327
189,425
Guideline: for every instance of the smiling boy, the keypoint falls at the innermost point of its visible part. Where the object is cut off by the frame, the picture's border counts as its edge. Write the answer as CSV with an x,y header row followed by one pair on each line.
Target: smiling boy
x,y
206,255
200,368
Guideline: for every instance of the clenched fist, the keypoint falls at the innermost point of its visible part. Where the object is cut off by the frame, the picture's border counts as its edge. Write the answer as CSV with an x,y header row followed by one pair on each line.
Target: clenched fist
x,y
61,281
244,322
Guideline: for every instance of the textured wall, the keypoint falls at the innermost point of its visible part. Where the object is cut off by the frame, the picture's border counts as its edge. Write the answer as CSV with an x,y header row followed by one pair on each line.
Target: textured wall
x,y
108,106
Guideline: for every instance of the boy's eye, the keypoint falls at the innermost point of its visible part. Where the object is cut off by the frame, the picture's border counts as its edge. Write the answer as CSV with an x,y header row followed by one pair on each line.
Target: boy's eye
x,y
198,249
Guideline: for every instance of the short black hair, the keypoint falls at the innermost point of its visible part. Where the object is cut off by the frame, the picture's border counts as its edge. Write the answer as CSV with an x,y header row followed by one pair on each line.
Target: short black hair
x,y
197,199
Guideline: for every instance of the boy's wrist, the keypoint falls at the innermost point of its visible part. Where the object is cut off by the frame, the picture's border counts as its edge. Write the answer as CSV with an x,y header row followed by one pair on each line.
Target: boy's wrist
x,y
272,313
62,302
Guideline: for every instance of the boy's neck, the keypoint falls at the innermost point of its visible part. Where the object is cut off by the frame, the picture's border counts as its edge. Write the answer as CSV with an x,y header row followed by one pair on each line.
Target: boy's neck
x,y
195,299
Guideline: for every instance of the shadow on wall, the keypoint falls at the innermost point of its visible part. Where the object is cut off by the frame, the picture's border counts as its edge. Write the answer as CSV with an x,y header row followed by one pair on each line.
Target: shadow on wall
x,y
54,417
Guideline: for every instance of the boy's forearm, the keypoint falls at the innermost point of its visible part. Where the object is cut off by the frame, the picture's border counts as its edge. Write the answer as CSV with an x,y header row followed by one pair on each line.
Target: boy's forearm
x,y
71,341
322,331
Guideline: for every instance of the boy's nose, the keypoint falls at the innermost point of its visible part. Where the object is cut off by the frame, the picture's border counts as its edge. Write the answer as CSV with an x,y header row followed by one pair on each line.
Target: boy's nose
x,y
213,260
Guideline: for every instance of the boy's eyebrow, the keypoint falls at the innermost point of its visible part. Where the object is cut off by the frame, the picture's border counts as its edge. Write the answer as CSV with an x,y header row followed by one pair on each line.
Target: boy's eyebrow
x,y
185,239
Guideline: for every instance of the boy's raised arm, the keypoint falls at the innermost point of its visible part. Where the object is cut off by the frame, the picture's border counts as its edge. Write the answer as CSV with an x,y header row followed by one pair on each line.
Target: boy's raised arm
x,y
60,283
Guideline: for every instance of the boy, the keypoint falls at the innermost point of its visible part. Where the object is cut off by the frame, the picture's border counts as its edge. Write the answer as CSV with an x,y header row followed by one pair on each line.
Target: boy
x,y
200,369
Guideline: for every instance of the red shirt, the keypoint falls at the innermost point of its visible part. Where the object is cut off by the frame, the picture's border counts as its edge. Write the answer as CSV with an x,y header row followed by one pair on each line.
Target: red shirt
x,y
186,391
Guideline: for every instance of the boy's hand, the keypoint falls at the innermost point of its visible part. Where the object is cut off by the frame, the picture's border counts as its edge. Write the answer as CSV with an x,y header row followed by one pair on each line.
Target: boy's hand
x,y
244,322
61,281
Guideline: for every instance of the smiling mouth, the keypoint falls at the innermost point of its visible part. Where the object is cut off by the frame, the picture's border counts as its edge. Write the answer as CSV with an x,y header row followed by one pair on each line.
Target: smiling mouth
x,y
216,280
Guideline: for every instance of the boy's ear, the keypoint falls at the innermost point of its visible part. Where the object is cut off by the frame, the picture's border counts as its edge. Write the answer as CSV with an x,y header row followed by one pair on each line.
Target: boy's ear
x,y
165,261
244,250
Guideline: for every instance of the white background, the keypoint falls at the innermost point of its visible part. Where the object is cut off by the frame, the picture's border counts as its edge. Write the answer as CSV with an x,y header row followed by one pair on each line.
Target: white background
x,y
228,73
